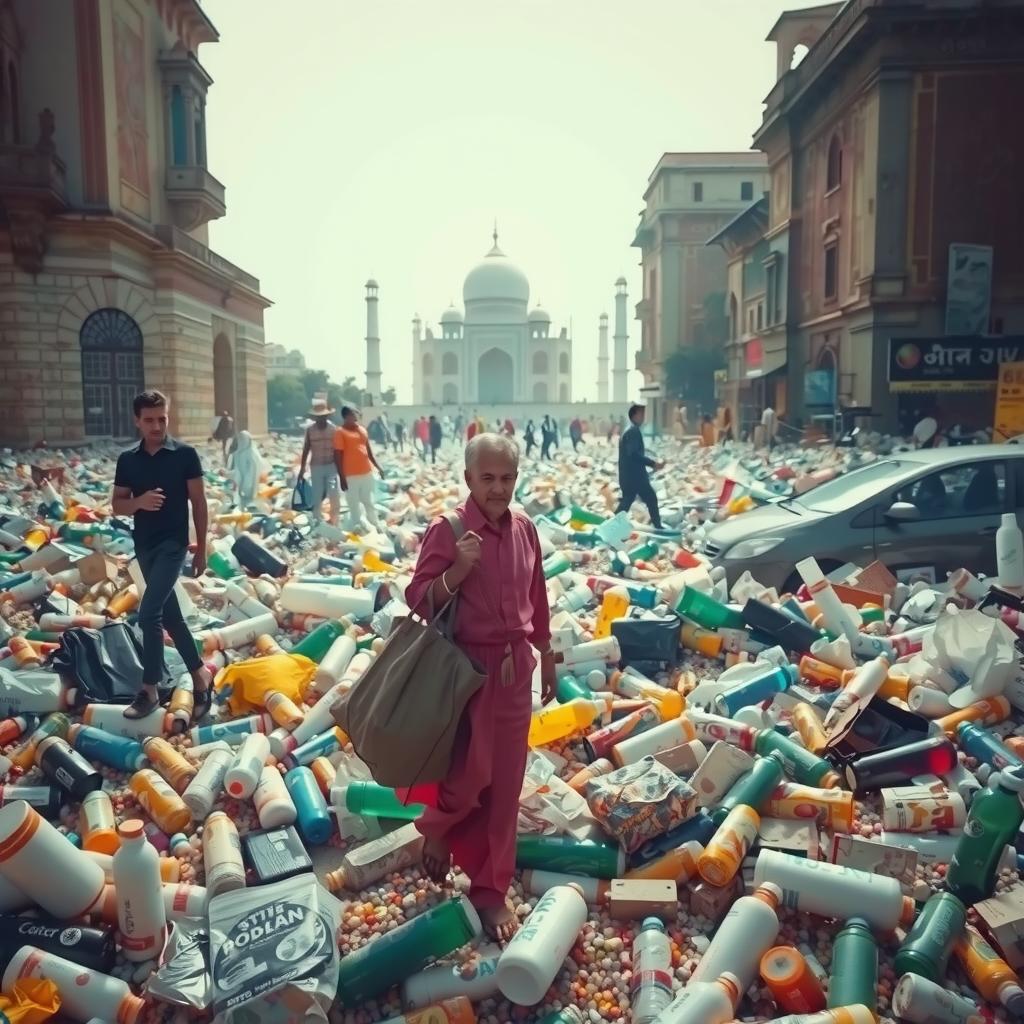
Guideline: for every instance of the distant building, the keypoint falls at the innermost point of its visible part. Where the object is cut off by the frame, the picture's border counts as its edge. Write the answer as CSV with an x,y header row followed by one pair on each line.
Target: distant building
x,y
689,197
282,363
107,282
896,137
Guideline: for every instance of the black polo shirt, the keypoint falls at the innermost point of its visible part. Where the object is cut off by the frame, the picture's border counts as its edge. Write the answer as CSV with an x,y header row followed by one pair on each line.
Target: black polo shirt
x,y
171,467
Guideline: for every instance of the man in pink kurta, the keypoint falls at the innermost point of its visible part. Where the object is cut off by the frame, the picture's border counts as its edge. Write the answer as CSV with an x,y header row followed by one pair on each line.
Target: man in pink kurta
x,y
502,615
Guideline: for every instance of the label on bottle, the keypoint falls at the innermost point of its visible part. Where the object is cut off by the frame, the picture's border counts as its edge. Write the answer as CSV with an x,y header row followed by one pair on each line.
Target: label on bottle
x,y
650,979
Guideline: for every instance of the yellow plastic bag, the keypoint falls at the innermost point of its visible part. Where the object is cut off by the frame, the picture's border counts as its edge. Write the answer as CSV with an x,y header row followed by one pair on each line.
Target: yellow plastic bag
x,y
30,1001
244,685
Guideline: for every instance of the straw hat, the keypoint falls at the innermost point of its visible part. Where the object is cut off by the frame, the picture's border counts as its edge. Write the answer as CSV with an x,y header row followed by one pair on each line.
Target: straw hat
x,y
320,406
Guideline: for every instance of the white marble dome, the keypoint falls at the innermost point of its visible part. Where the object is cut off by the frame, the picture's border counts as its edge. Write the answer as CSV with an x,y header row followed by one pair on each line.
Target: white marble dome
x,y
496,279
538,315
452,316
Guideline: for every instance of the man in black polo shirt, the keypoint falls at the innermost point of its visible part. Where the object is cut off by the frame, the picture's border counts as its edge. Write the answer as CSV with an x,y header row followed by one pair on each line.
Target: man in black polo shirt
x,y
155,481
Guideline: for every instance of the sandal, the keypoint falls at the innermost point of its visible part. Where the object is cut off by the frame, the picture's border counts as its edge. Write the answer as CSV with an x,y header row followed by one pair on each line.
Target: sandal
x,y
202,701
142,705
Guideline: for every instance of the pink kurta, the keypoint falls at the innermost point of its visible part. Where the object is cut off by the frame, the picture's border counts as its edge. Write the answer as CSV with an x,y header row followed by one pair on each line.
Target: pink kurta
x,y
502,601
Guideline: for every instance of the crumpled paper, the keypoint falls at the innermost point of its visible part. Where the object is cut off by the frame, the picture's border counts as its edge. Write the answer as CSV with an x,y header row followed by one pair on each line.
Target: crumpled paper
x,y
977,651
547,806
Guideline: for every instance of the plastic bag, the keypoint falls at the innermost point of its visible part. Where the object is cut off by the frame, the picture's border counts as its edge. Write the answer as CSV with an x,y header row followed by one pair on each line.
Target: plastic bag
x,y
184,977
245,684
648,640
640,802
302,496
977,651
275,952
548,806
30,1001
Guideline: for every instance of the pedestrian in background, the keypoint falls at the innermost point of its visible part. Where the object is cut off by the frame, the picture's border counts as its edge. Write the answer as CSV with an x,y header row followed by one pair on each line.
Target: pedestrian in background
x,y
435,436
224,432
707,431
575,433
356,462
547,437
318,451
633,466
530,437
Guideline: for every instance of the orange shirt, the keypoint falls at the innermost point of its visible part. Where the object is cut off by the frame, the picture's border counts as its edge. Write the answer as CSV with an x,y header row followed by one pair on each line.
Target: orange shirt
x,y
354,447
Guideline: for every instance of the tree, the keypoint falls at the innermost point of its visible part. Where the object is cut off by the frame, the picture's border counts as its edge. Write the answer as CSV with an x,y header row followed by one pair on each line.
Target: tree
x,y
690,375
286,399
315,382
389,397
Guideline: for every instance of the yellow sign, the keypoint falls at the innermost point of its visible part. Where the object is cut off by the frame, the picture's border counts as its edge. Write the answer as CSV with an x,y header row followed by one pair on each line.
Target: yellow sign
x,y
1009,402
907,386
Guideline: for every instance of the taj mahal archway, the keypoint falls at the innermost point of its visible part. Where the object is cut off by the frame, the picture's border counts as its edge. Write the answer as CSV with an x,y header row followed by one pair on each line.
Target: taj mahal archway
x,y
495,373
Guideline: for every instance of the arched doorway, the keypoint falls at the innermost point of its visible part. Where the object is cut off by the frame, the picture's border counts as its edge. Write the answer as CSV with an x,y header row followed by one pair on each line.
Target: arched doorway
x,y
112,372
495,377
223,377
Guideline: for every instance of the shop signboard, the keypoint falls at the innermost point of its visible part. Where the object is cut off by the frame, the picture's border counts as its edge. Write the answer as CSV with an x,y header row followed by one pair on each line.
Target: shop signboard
x,y
1009,420
965,363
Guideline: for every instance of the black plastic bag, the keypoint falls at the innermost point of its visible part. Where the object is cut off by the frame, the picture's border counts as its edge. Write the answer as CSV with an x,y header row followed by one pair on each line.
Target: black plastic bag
x,y
648,640
302,496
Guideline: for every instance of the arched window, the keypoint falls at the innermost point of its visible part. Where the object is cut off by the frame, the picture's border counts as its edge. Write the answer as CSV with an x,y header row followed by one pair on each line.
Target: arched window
x,y
112,372
428,364
12,79
449,364
834,172
563,362
540,362
450,394
540,391
799,52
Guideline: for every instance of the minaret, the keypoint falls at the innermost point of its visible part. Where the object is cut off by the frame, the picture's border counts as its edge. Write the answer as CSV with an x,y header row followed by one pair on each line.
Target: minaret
x,y
619,369
417,363
602,359
372,343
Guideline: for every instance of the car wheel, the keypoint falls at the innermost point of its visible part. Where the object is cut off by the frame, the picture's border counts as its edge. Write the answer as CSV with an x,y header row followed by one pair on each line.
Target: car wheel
x,y
794,581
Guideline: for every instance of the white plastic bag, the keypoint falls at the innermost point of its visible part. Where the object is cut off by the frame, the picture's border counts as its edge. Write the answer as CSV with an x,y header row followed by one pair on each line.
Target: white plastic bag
x,y
977,651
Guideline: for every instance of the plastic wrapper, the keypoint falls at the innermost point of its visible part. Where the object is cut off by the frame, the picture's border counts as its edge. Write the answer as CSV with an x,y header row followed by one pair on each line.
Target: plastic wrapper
x,y
184,977
640,802
548,806
976,650
30,1001
275,952
384,620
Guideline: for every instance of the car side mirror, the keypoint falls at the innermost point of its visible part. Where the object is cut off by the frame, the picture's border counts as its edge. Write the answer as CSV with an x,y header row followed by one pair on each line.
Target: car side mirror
x,y
902,512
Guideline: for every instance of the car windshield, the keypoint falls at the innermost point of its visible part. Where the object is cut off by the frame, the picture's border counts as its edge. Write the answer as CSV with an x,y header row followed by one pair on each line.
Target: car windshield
x,y
853,488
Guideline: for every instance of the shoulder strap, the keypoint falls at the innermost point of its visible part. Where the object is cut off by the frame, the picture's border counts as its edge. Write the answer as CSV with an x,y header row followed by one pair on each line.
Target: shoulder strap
x,y
456,523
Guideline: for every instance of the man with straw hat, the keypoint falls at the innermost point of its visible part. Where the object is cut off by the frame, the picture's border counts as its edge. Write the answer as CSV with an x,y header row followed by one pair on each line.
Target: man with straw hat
x,y
318,450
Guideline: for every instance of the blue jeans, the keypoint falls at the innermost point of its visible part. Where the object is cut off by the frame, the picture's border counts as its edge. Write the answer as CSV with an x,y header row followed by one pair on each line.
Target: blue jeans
x,y
159,610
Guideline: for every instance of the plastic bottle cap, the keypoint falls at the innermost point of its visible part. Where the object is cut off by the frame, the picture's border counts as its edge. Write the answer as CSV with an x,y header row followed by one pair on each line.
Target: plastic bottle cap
x,y
1010,778
771,890
909,912
133,828
1012,997
655,923
860,921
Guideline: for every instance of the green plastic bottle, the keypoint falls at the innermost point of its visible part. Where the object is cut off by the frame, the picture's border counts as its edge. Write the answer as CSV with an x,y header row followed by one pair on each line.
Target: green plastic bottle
x,y
752,788
994,818
367,798
555,565
394,956
581,515
223,567
570,688
801,765
854,977
569,856
317,643
706,611
926,949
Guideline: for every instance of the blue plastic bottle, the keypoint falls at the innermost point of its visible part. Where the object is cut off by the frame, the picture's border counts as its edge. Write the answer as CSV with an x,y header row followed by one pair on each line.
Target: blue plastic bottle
x,y
761,687
314,820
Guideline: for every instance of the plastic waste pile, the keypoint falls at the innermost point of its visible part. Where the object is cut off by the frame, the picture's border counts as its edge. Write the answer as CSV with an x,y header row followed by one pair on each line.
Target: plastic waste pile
x,y
742,806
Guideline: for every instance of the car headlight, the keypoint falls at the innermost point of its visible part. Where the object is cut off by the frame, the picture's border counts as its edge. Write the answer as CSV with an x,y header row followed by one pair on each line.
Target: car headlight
x,y
753,548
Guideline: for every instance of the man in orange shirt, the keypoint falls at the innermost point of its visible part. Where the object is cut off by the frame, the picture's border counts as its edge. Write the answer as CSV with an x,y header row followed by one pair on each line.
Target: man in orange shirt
x,y
356,462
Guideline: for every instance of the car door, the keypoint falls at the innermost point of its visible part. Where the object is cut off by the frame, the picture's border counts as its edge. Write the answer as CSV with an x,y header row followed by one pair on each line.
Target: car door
x,y
959,509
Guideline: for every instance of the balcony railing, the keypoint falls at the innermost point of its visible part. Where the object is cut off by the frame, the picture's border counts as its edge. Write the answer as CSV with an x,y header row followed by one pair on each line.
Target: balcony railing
x,y
195,195
176,239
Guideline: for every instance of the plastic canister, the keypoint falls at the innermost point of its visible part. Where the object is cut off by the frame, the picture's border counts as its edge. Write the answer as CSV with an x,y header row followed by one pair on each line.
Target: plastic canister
x,y
793,985
222,855
244,774
67,767
97,824
205,787
534,956
141,918
92,948
272,800
173,766
160,802
475,981
314,820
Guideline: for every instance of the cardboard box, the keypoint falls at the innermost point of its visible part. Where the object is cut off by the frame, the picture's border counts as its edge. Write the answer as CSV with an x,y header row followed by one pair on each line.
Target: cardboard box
x,y
634,898
718,771
1002,917
683,760
798,838
714,901
877,578
876,858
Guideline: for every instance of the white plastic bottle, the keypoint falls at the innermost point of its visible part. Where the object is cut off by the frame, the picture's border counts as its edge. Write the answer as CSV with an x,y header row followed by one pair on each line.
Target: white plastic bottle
x,y
238,634
222,855
245,602
838,618
746,933
334,663
832,890
372,861
141,917
110,718
243,776
273,802
534,957
605,649
706,1003
447,981
183,900
1010,553
863,686
203,790
651,985
84,994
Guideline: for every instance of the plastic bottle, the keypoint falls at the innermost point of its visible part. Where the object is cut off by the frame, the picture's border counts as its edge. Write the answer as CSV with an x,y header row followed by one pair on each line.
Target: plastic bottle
x,y
327,601
755,689
53,725
561,720
678,865
205,787
372,861
832,890
604,649
837,618
32,692
328,742
854,977
930,941
920,1001
614,605
708,1002
662,737
84,994
314,820
602,766
316,644
571,856
448,1011
91,948
238,634
39,861
244,774
705,611
830,808
808,724
801,765
474,981
630,683
334,663
601,742
594,890
793,985
857,1014
651,984
752,789
397,954
989,711
284,711
97,824
232,732
180,708
47,800
988,973
67,767
222,855
172,765
368,798
140,905
110,718
1010,554
862,687
12,728
318,719
749,929
934,755
992,822
979,743
534,956
160,801
723,856
272,800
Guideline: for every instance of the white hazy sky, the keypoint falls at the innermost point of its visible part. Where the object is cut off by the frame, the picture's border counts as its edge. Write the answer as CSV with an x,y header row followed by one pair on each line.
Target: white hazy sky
x,y
383,138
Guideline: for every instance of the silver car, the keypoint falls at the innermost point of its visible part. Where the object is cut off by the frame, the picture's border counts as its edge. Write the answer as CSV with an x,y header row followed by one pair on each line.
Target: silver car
x,y
927,512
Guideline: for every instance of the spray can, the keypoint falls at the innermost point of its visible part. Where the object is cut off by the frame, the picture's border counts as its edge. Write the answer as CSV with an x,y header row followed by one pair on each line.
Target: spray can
x,y
651,983
273,803
920,1001
160,802
114,751
723,856
792,983
854,978
244,774
205,787
173,766
314,820
67,767
232,732
141,918
222,855
97,824
91,948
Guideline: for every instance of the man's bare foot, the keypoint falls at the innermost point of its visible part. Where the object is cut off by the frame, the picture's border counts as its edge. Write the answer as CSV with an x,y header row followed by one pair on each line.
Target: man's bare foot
x,y
437,860
500,922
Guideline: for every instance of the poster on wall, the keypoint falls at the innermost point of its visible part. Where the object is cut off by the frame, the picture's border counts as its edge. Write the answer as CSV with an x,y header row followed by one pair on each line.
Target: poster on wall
x,y
820,388
968,289
1009,419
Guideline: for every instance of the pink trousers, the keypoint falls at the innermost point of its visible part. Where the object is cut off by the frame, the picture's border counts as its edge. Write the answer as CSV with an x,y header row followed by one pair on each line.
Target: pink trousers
x,y
477,806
